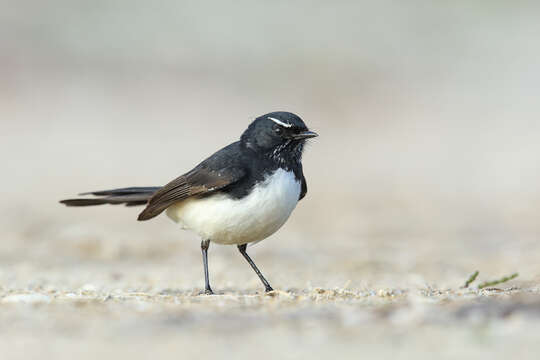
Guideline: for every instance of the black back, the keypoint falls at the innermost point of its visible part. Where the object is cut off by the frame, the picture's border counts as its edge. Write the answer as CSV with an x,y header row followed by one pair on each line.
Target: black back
x,y
272,141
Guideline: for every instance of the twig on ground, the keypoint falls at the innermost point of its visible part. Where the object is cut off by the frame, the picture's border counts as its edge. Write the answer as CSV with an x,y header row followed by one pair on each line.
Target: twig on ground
x,y
470,279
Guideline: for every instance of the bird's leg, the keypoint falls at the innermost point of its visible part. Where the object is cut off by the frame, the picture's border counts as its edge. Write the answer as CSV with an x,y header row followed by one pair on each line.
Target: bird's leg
x,y
242,249
205,244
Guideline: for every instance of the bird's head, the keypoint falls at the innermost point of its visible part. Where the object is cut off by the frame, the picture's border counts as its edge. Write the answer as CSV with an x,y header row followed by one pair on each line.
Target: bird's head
x,y
279,134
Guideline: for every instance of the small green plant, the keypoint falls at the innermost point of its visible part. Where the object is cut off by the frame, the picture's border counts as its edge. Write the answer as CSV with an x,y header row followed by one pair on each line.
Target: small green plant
x,y
486,284
499,281
471,279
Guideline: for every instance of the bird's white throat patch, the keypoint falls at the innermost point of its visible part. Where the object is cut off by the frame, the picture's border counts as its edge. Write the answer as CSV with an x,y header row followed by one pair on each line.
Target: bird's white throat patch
x,y
226,220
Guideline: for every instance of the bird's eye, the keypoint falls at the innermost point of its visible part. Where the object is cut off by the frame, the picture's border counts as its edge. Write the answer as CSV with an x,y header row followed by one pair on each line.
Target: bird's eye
x,y
277,129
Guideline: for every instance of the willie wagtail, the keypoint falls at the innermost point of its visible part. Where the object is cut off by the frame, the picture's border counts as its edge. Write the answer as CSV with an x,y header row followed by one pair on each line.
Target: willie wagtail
x,y
241,194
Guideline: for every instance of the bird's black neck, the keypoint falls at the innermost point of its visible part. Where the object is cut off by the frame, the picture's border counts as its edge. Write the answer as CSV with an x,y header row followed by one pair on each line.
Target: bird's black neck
x,y
287,156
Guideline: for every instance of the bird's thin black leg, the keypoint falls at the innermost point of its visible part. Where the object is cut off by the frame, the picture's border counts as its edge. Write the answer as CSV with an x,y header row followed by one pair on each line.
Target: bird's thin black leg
x,y
205,244
242,249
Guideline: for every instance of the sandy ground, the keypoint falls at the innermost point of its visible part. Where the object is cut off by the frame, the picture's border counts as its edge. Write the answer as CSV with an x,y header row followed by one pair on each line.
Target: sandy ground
x,y
86,293
90,322
427,169
87,323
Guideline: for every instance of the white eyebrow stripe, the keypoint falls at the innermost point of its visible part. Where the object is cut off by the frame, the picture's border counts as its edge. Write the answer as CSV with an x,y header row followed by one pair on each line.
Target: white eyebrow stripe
x,y
279,122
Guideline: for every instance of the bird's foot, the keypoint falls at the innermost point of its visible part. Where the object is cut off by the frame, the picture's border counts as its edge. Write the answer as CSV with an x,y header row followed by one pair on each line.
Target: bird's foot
x,y
208,291
268,289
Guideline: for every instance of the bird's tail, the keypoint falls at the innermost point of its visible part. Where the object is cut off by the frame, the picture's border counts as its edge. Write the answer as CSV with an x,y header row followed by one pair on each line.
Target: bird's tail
x,y
132,196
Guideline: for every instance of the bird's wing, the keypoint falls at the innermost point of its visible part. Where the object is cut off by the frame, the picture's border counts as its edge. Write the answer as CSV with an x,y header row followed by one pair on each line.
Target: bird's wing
x,y
300,174
199,181
215,173
304,188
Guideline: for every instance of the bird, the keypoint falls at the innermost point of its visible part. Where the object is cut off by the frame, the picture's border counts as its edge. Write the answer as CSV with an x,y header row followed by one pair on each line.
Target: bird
x,y
240,195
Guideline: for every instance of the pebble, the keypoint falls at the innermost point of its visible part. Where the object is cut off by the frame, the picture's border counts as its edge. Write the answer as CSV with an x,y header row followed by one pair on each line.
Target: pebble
x,y
89,288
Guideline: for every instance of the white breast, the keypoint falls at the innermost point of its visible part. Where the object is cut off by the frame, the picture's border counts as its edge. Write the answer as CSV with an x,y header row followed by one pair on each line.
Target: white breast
x,y
225,220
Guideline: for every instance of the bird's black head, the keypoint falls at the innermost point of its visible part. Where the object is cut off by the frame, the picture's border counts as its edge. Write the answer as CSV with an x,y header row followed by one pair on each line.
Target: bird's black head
x,y
279,134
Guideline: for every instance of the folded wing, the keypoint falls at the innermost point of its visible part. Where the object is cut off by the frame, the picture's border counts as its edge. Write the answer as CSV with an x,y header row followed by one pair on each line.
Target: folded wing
x,y
198,182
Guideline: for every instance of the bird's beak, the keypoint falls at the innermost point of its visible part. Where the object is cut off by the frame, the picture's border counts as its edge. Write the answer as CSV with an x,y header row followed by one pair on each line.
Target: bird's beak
x,y
305,135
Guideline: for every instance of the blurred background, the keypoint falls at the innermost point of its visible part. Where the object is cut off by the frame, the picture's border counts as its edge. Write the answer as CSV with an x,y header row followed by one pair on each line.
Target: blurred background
x,y
427,166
